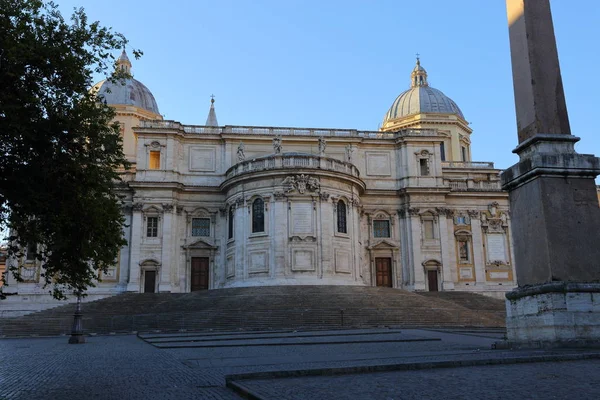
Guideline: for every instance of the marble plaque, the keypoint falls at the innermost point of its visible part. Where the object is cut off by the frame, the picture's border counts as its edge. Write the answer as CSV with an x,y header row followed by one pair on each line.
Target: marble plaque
x,y
466,273
230,266
28,273
302,221
342,261
495,247
258,262
302,260
499,275
378,164
202,159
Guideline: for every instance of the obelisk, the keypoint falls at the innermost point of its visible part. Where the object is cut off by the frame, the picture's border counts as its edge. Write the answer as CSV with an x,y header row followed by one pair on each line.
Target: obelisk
x,y
553,202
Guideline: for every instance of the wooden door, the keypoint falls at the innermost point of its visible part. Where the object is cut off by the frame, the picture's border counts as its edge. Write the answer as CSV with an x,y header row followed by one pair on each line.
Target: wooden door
x,y
432,279
199,273
383,270
149,281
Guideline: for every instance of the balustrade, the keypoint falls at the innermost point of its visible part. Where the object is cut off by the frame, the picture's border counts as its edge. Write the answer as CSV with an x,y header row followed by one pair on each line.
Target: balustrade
x,y
292,161
275,131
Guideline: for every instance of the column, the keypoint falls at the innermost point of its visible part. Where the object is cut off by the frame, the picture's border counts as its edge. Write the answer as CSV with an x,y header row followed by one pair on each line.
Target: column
x,y
167,248
446,241
417,257
478,250
134,248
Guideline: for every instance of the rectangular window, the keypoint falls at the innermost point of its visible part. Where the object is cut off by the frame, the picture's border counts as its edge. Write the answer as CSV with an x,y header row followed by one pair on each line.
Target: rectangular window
x,y
200,226
428,229
154,160
152,227
31,251
424,166
443,151
464,153
231,213
381,228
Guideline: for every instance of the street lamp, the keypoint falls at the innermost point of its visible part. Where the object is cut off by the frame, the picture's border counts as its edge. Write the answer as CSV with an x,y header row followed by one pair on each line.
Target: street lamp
x,y
77,330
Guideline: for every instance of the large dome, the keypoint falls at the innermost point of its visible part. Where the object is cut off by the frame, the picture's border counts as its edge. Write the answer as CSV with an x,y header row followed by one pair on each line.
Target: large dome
x,y
421,98
131,92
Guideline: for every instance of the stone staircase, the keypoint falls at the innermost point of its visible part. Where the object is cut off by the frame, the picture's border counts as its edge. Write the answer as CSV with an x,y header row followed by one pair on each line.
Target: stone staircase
x,y
263,308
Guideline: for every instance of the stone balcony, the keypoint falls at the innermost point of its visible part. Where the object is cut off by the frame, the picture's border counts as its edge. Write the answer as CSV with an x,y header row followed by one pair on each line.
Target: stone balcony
x,y
292,161
283,131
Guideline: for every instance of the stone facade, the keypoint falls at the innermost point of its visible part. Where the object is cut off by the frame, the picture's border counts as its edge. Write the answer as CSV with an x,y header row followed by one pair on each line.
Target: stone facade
x,y
212,207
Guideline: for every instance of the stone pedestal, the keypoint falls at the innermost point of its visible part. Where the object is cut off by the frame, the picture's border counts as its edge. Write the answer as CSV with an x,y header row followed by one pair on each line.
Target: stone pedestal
x,y
554,314
555,216
554,211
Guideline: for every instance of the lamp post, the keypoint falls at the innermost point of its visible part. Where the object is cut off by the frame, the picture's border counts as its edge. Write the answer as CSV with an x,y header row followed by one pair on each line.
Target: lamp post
x,y
77,329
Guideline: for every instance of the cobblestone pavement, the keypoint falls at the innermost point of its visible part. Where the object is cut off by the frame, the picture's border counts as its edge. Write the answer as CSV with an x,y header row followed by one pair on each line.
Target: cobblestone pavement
x,y
126,367
106,367
547,380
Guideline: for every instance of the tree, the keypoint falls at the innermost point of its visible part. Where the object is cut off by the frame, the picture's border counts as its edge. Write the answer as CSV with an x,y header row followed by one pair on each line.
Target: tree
x,y
60,154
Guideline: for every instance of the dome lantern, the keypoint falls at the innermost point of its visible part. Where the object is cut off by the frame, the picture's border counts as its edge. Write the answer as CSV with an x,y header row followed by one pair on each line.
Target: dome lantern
x,y
123,63
420,98
418,77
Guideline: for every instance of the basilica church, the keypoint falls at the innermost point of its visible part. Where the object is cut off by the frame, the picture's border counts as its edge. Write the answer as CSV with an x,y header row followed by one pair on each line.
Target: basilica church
x,y
217,206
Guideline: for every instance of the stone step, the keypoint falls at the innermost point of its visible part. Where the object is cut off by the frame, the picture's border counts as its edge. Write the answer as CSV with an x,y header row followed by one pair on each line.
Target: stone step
x,y
265,308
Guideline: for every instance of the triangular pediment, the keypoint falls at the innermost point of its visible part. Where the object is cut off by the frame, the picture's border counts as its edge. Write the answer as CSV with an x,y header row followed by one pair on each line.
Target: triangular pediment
x,y
200,244
384,244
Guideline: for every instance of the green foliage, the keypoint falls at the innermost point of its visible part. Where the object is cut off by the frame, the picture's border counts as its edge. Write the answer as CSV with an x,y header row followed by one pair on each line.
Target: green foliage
x,y
59,152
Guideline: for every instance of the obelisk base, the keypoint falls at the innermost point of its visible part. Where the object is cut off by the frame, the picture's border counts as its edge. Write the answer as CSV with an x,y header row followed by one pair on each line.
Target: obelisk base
x,y
560,314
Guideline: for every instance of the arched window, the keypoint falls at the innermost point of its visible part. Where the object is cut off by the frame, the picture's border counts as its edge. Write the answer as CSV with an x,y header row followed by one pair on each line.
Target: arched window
x,y
341,217
231,213
258,216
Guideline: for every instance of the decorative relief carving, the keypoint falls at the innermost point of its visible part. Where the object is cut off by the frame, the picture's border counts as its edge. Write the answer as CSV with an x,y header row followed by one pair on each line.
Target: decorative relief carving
x,y
278,196
301,183
167,207
413,212
449,213
137,206
324,196
473,213
302,239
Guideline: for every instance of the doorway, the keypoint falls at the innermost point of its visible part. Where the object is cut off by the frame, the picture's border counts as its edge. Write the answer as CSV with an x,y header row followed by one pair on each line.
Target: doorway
x,y
149,281
383,271
432,280
199,273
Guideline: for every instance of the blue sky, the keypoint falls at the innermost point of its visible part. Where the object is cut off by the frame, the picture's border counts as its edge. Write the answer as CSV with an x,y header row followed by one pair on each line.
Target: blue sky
x,y
341,64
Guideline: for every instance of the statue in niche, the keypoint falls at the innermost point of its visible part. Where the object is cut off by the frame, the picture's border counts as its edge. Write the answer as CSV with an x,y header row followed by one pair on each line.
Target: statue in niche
x,y
322,145
349,151
240,152
277,144
463,249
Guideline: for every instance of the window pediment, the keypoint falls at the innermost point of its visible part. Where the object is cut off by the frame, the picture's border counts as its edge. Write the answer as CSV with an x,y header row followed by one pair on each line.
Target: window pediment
x,y
201,244
383,244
